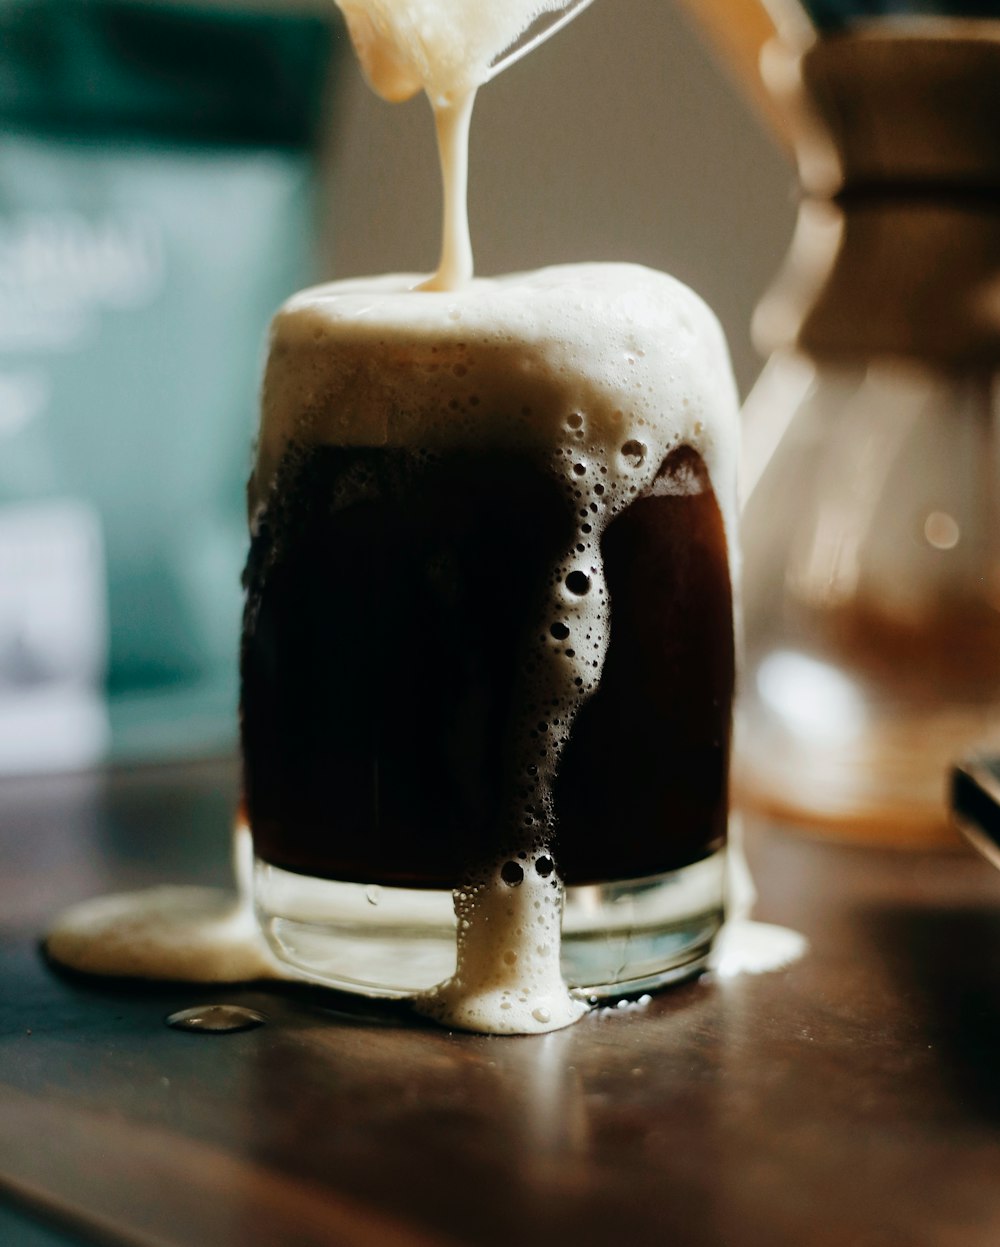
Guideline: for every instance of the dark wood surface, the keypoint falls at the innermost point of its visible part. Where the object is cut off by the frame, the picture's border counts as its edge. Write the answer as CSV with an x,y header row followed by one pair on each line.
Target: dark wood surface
x,y
853,1099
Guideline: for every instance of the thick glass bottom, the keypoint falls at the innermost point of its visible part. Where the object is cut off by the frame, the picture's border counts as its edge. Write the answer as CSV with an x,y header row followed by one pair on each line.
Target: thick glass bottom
x,y
618,938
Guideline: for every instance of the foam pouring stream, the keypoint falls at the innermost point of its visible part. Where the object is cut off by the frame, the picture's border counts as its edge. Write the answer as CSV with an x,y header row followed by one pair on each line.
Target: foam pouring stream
x,y
449,49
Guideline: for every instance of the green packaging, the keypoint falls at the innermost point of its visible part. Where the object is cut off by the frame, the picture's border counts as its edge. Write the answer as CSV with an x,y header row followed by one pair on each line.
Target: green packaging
x,y
156,194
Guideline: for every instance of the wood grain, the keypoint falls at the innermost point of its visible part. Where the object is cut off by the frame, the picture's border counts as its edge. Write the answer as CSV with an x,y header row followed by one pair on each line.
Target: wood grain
x,y
96,1172
852,1100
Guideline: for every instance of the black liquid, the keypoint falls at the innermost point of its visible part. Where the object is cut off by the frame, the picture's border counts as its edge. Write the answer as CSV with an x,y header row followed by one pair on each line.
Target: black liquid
x,y
393,599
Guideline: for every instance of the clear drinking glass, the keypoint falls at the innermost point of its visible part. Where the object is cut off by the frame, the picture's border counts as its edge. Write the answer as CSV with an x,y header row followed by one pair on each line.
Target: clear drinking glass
x,y
396,586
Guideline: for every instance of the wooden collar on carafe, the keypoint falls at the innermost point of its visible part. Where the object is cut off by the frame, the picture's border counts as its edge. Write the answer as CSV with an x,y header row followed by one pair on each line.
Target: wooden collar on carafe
x,y
896,251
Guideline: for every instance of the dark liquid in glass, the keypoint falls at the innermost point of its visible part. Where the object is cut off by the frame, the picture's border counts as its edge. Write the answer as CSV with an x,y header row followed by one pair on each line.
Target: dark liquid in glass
x,y
392,598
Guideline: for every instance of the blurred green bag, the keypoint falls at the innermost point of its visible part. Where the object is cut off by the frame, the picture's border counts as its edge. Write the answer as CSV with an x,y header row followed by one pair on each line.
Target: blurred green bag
x,y
156,178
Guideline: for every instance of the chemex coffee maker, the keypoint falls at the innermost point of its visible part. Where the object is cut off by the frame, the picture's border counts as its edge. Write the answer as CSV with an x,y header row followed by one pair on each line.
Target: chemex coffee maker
x,y
872,468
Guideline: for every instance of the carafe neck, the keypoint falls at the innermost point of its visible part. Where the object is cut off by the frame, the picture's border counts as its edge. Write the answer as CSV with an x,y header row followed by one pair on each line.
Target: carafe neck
x,y
897,248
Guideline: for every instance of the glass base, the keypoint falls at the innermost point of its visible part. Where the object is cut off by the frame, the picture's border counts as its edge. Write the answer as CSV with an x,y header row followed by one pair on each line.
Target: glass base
x,y
618,938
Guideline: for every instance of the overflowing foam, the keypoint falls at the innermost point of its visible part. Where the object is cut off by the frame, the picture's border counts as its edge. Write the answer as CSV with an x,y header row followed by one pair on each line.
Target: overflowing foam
x,y
507,980
597,372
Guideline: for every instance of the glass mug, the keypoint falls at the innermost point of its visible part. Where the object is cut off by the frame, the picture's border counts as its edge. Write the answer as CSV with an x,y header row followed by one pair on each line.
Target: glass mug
x,y
420,482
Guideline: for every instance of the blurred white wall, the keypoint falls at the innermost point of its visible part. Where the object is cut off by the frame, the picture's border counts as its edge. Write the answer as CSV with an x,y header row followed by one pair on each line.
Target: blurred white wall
x,y
620,139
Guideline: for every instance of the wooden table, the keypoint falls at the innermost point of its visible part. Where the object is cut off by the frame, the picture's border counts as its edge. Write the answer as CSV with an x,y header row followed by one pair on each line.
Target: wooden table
x,y
850,1101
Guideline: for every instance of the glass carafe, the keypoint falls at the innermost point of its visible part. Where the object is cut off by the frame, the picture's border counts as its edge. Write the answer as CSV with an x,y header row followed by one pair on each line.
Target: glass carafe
x,y
872,478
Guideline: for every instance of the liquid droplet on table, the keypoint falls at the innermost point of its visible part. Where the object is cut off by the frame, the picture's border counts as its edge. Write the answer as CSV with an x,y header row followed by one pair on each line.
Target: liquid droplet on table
x,y
216,1019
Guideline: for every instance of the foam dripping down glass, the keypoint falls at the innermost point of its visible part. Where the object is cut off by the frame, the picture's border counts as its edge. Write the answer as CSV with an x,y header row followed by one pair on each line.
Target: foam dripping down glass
x,y
488,646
